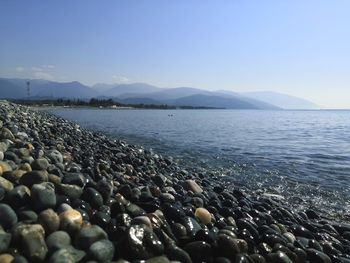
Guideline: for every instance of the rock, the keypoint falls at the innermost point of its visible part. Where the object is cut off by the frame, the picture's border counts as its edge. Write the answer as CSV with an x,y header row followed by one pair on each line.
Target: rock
x,y
191,185
227,246
161,259
5,239
199,251
67,254
74,179
27,215
1,158
278,257
62,256
102,250
291,238
203,215
142,220
134,210
8,217
32,239
6,184
49,220
55,156
6,134
177,254
58,240
5,167
43,196
142,243
317,256
19,259
34,177
93,197
89,235
70,220
72,191
6,258
40,164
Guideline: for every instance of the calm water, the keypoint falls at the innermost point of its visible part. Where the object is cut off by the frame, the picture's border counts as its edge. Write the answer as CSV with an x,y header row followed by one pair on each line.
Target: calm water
x,y
306,153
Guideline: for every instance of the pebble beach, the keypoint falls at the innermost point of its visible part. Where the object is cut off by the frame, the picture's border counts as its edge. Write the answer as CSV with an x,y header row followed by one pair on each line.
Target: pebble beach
x,y
68,194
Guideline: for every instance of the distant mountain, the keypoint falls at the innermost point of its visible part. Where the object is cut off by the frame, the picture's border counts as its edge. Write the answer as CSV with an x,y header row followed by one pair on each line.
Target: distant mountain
x,y
35,84
281,100
176,93
74,90
201,100
9,90
146,101
139,88
142,93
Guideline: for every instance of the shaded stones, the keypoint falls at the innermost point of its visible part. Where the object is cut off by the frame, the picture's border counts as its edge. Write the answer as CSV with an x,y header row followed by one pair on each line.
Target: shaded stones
x,y
5,239
72,191
93,197
40,164
74,179
8,217
49,220
203,215
34,177
58,240
102,250
6,134
89,235
43,196
199,251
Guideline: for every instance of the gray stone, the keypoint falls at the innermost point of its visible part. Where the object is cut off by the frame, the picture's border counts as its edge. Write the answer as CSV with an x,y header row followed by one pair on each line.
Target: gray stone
x,y
102,251
8,217
43,196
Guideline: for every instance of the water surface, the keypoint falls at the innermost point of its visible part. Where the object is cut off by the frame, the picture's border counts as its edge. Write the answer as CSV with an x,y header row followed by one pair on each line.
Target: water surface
x,y
304,154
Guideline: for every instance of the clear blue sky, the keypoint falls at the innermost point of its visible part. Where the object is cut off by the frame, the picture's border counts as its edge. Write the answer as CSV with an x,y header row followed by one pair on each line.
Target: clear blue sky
x,y
298,47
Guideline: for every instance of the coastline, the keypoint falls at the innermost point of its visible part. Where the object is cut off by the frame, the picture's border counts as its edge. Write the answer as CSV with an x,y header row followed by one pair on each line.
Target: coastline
x,y
139,205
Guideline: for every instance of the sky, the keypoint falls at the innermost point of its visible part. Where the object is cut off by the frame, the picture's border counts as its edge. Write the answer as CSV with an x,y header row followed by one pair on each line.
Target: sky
x,y
297,47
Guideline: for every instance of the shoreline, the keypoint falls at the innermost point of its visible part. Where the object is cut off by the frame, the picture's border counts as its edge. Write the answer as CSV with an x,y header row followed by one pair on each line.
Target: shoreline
x,y
138,205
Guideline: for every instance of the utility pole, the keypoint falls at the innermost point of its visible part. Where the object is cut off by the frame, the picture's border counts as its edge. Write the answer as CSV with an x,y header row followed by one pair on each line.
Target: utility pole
x,y
28,89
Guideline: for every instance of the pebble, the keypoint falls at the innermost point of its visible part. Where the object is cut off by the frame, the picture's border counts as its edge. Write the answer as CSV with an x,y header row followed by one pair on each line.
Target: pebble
x,y
199,251
32,240
5,184
43,196
89,235
191,185
6,258
49,220
40,164
101,251
5,239
8,217
58,240
34,177
70,220
203,215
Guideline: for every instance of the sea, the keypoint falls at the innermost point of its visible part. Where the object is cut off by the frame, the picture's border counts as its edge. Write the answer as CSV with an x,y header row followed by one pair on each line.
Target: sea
x,y
301,156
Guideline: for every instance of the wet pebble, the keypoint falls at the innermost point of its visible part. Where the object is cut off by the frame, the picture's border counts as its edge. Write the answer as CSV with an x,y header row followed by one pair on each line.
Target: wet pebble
x,y
8,217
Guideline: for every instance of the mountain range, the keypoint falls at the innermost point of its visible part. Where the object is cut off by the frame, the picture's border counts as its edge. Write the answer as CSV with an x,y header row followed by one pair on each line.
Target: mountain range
x,y
142,93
